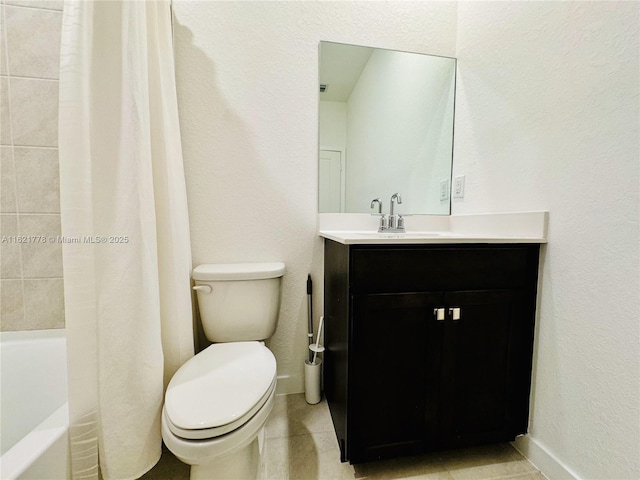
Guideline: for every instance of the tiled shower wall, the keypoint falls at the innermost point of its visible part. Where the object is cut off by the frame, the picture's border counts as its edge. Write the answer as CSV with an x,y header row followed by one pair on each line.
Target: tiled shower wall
x,y
31,289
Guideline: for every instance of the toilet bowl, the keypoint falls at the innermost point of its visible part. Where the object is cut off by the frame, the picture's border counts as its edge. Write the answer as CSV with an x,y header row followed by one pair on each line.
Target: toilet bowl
x,y
218,402
216,406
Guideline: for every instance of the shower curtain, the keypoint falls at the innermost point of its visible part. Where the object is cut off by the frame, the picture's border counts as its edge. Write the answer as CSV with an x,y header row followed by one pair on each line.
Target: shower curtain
x,y
125,232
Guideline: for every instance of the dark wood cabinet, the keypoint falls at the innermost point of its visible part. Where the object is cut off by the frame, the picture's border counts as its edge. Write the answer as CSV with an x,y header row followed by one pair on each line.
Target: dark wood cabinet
x,y
398,379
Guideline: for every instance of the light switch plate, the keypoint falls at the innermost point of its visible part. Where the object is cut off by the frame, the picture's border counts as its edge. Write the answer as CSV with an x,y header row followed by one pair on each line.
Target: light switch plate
x,y
444,190
458,187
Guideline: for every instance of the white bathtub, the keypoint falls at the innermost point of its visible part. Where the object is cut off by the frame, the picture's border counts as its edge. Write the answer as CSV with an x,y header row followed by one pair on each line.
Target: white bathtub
x,y
33,405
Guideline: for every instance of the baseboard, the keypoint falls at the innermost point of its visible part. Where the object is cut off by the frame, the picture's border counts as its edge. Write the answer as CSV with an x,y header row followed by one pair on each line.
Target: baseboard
x,y
288,384
543,459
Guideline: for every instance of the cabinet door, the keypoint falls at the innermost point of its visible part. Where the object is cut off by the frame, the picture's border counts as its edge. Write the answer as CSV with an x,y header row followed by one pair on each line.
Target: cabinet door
x,y
394,356
485,363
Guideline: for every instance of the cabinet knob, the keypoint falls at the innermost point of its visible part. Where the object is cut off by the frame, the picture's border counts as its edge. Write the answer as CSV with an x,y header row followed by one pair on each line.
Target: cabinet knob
x,y
439,314
455,313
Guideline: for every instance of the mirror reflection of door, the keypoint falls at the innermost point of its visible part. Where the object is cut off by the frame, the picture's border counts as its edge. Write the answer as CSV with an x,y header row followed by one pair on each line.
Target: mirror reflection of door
x,y
331,192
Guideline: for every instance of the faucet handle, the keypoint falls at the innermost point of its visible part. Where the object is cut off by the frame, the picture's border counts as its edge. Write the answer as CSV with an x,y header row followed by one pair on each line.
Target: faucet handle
x,y
383,223
400,224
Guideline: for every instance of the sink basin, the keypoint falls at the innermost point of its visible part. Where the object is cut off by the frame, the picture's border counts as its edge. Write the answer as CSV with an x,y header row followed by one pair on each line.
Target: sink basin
x,y
350,237
407,235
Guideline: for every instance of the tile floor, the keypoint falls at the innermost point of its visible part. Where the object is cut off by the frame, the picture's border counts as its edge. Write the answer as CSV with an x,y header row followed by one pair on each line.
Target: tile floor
x,y
301,445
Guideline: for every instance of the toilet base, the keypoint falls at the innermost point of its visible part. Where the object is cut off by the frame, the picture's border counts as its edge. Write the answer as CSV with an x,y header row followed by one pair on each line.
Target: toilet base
x,y
236,455
243,464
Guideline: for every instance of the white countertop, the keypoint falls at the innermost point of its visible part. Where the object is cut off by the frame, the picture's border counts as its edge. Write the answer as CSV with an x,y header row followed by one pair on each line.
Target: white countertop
x,y
523,227
356,238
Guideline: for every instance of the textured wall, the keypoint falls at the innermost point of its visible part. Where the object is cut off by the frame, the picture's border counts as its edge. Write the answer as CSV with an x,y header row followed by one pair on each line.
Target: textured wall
x,y
31,273
547,118
247,75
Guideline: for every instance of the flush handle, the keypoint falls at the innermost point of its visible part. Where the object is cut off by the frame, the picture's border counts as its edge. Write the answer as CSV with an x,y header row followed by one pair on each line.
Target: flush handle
x,y
202,288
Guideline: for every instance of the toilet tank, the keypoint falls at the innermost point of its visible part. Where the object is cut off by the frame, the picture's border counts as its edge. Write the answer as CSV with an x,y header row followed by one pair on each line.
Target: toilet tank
x,y
238,301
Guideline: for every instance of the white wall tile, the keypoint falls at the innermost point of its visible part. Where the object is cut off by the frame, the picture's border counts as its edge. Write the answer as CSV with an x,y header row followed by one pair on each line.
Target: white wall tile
x,y
10,256
11,305
47,4
3,46
42,258
34,112
33,41
43,303
37,180
5,116
7,181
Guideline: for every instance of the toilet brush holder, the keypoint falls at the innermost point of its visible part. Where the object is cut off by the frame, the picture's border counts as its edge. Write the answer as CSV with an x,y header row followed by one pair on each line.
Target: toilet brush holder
x,y
312,381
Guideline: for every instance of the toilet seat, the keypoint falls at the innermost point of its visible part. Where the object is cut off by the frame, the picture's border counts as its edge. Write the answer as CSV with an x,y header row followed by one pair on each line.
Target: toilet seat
x,y
205,433
219,389
201,452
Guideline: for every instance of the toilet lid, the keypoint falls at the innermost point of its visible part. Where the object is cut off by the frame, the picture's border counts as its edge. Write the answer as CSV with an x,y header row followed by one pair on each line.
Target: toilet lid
x,y
220,385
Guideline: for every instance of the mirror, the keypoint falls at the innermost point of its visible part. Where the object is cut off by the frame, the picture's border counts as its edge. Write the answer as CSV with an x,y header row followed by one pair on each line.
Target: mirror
x,y
385,126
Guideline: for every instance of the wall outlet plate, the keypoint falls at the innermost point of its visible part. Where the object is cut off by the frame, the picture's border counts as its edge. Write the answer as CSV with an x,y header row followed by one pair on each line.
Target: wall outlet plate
x,y
444,190
458,187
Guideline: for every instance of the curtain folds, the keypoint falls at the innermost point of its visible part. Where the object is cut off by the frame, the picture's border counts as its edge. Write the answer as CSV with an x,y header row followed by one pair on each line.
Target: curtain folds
x,y
126,256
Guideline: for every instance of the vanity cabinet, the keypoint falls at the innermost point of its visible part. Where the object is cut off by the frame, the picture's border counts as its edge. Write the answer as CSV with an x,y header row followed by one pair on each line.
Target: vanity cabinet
x,y
428,346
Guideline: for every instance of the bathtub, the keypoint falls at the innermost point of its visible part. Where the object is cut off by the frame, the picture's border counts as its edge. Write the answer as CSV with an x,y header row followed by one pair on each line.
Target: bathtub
x,y
33,405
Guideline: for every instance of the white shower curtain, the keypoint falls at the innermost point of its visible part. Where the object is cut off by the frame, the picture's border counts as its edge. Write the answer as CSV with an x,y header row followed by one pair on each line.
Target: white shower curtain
x,y
127,260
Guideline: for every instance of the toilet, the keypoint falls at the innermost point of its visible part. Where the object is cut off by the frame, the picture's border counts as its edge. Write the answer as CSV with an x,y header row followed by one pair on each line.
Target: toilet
x,y
218,402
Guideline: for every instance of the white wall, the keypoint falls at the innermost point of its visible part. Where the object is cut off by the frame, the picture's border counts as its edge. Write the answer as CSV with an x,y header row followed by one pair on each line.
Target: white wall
x,y
547,118
247,76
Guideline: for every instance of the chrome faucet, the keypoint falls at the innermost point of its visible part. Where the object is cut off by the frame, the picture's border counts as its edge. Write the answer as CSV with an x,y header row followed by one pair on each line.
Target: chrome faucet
x,y
396,222
383,219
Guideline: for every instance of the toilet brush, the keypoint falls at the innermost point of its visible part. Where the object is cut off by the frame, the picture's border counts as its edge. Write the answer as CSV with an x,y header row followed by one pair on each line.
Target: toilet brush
x,y
317,348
